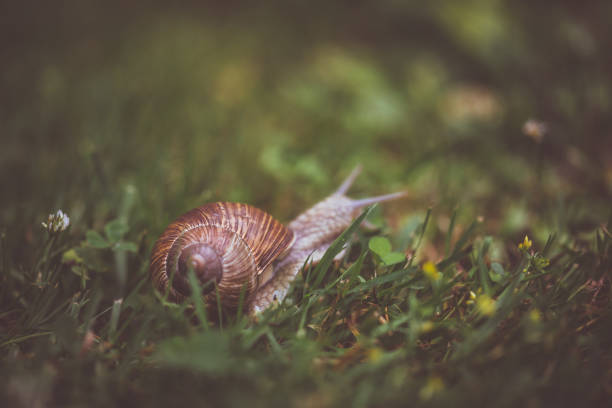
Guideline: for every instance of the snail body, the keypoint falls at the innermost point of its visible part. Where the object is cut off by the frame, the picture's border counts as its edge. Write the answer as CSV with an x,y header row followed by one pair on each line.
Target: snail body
x,y
247,254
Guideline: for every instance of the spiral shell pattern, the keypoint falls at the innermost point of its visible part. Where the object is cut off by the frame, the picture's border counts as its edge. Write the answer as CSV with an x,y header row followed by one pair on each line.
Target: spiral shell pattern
x,y
246,239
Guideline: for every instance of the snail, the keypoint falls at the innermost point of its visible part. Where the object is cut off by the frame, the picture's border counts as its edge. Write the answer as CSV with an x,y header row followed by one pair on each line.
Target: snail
x,y
245,253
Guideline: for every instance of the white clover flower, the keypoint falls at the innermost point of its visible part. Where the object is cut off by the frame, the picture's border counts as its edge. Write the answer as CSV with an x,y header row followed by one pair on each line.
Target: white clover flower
x,y
535,129
57,222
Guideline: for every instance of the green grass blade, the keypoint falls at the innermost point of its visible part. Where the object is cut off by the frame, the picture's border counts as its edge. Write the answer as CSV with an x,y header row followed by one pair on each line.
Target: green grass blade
x,y
421,234
449,233
337,246
196,297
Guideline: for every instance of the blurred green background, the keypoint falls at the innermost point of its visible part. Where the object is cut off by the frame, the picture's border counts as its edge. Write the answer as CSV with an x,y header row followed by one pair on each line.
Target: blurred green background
x,y
274,103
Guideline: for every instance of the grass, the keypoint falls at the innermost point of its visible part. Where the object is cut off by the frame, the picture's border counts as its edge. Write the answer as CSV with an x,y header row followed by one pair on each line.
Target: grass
x,y
488,285
463,330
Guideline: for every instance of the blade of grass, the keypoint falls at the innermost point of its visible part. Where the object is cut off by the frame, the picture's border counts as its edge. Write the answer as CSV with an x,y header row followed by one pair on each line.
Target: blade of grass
x,y
116,311
421,234
449,234
352,270
333,250
16,340
196,297
219,309
337,246
380,280
483,271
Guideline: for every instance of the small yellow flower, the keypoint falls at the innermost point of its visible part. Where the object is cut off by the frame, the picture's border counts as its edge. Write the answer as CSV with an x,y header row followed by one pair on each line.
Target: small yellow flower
x,y
526,244
472,298
433,386
427,326
485,305
535,316
431,271
374,354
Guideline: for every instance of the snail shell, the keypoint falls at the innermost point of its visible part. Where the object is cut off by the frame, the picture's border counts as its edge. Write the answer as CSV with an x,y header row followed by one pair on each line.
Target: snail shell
x,y
231,245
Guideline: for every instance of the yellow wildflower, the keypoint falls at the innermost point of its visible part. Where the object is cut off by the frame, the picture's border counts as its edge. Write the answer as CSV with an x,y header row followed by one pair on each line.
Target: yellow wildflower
x,y
374,354
433,386
431,271
526,244
535,316
472,298
485,305
427,326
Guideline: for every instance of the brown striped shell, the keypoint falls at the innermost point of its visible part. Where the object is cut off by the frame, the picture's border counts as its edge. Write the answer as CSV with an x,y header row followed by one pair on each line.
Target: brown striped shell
x,y
230,243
